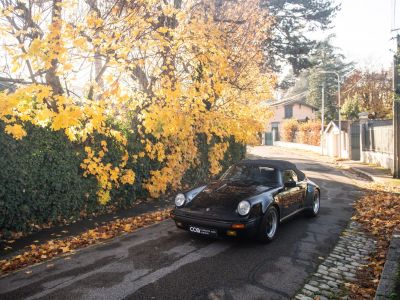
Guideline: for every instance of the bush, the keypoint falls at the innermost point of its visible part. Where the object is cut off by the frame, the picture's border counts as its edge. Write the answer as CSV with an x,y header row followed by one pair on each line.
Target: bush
x,y
350,108
309,133
289,128
41,178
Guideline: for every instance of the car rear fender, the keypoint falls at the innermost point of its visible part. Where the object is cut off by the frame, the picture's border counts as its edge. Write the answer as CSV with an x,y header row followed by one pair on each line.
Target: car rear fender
x,y
311,188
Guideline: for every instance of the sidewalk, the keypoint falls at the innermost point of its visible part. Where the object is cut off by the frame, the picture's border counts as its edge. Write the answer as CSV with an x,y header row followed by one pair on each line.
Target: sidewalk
x,y
8,249
367,171
374,173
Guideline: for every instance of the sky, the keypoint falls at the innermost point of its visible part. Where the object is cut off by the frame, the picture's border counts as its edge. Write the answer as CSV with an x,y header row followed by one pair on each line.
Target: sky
x,y
363,31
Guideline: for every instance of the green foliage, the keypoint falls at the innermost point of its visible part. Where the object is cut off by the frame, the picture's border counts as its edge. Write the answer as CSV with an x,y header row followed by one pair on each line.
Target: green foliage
x,y
326,58
42,182
200,173
350,108
289,41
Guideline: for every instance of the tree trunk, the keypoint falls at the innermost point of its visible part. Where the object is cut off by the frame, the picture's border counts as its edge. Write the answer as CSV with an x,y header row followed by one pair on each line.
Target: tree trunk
x,y
52,78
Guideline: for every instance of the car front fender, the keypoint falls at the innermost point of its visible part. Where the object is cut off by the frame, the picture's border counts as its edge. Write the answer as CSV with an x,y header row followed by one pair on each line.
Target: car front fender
x,y
311,188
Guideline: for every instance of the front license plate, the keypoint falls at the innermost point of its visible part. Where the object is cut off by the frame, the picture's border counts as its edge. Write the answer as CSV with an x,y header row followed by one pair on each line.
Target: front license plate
x,y
203,231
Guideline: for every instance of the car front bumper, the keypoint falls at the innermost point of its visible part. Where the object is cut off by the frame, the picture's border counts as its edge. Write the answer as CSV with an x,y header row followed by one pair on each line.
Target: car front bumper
x,y
222,227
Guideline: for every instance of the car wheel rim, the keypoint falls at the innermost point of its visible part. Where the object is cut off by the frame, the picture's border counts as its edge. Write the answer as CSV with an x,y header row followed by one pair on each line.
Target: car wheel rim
x,y
316,203
272,223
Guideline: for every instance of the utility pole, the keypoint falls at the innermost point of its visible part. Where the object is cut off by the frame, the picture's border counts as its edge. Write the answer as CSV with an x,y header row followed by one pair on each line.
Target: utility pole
x,y
340,123
322,117
396,111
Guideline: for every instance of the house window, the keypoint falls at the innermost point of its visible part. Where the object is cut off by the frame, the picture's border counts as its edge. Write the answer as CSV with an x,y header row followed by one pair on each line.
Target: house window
x,y
288,111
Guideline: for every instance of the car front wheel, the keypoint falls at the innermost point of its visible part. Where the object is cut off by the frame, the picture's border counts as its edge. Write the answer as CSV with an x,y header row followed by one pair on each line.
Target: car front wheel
x,y
269,225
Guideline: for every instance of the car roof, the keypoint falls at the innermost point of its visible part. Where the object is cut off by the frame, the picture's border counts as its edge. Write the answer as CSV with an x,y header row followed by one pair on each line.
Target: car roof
x,y
273,163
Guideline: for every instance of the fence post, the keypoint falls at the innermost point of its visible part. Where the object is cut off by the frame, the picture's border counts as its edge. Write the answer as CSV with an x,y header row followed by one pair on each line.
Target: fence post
x,y
396,135
363,122
348,140
396,111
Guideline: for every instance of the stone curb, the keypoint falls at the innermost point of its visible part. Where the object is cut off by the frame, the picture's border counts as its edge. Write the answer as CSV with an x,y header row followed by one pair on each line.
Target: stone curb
x,y
363,173
340,267
390,270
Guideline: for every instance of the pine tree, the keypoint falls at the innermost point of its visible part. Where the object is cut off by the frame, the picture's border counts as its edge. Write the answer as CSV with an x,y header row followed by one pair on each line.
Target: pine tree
x,y
289,42
326,58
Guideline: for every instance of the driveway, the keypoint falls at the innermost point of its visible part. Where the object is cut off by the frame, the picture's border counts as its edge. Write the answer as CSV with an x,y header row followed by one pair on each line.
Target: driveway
x,y
162,262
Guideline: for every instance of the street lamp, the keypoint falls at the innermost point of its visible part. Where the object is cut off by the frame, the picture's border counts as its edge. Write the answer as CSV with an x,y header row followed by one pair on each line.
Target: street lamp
x,y
340,123
322,119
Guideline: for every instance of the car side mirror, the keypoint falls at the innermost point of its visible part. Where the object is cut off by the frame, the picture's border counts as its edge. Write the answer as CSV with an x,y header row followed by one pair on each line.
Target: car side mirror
x,y
290,184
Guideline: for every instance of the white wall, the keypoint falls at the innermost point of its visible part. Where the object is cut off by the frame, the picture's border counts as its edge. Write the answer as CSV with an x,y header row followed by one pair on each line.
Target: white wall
x,y
331,144
384,160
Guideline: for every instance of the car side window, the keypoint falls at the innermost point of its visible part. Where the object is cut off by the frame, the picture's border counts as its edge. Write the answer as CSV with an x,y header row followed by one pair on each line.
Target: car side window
x,y
289,175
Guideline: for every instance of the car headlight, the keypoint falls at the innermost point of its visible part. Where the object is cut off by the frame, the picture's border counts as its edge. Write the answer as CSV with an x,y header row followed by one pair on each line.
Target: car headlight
x,y
243,208
180,200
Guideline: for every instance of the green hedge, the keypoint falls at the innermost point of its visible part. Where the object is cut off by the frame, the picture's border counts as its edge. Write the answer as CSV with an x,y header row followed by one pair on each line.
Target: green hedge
x,y
41,180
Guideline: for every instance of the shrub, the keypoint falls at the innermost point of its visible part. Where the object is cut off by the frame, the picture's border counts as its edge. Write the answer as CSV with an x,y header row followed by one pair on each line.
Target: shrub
x,y
289,128
350,108
309,133
42,181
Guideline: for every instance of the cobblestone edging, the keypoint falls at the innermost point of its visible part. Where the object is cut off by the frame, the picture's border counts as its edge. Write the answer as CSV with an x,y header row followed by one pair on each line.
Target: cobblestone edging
x,y
388,278
349,255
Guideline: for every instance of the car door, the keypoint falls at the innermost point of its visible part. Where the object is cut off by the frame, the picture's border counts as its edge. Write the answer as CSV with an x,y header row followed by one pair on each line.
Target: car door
x,y
298,192
288,197
301,193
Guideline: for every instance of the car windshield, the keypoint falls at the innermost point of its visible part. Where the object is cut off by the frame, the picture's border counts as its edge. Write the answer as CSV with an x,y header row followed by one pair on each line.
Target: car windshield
x,y
252,175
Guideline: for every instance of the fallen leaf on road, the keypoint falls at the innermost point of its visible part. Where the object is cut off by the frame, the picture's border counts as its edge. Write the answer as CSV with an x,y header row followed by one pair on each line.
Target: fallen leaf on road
x,y
379,213
41,252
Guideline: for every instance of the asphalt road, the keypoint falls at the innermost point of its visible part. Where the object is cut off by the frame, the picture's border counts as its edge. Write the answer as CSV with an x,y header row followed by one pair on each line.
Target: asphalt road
x,y
162,262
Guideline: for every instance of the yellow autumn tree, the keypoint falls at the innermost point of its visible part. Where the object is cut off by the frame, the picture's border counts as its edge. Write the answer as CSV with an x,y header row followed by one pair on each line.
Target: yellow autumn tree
x,y
167,70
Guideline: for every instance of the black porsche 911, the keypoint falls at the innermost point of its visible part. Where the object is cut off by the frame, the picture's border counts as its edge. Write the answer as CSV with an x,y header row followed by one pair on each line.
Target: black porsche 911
x,y
251,198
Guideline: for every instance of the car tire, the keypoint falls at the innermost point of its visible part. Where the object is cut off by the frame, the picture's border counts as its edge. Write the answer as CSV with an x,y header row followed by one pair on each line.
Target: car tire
x,y
269,225
314,209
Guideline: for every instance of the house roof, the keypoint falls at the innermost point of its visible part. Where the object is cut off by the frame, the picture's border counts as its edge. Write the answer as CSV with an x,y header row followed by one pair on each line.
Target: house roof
x,y
335,124
293,101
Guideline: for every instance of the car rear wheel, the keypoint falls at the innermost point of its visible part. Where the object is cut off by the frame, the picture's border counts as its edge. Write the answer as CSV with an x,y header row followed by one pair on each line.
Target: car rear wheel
x,y
269,225
314,209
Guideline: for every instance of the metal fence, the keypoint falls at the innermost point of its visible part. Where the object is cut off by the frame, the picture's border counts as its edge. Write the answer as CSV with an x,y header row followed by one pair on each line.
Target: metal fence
x,y
378,136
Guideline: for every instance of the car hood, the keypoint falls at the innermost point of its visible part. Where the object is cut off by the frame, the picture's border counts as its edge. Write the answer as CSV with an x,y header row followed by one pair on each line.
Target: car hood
x,y
223,197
